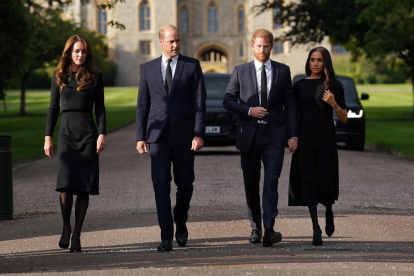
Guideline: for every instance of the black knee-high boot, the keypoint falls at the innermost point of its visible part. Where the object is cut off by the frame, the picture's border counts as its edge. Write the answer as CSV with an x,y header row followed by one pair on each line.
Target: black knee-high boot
x,y
317,232
66,203
81,206
329,216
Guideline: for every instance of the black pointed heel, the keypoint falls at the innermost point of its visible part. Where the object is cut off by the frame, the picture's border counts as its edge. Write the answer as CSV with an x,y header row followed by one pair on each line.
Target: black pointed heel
x,y
75,246
62,242
330,225
317,237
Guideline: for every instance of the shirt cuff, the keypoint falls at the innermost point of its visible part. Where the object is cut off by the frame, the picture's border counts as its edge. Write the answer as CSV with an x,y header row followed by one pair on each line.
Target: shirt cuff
x,y
248,113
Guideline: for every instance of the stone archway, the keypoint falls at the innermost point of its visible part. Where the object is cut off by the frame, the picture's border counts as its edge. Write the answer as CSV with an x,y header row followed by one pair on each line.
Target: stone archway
x,y
214,57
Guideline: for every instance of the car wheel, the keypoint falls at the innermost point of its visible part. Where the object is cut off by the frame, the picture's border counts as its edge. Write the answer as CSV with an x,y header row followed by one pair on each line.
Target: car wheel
x,y
358,146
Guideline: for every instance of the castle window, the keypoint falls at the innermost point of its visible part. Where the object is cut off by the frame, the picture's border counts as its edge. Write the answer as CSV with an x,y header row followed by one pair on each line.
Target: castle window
x,y
339,50
102,21
240,19
278,47
212,18
145,48
276,24
184,20
184,49
144,13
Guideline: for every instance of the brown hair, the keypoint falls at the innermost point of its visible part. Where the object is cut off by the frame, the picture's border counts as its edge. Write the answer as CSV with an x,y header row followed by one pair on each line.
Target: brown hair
x,y
262,33
161,33
86,73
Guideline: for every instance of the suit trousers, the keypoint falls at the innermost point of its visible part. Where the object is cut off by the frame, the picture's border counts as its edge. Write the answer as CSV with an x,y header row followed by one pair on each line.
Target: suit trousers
x,y
262,149
164,152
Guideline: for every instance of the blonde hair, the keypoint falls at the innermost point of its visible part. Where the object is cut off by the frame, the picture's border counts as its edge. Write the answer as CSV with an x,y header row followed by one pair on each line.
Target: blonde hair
x,y
262,33
161,33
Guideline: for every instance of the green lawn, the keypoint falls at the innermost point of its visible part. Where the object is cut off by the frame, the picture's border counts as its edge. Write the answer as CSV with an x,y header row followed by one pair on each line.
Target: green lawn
x,y
388,112
28,131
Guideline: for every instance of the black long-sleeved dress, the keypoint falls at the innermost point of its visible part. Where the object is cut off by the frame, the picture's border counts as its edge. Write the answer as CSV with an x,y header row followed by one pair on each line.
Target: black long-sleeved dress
x,y
314,168
78,161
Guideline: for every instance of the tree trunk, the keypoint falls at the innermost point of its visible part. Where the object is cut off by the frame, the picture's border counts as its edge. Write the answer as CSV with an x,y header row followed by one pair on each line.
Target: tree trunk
x,y
23,95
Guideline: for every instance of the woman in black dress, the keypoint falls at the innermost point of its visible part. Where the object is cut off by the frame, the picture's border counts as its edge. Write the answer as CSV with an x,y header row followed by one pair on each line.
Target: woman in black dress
x,y
79,86
314,169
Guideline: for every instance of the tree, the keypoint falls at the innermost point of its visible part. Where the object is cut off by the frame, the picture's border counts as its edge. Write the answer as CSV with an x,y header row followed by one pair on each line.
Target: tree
x,y
32,36
376,28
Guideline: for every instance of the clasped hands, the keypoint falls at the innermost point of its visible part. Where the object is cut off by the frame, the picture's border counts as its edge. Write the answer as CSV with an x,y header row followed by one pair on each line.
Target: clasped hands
x,y
196,145
293,144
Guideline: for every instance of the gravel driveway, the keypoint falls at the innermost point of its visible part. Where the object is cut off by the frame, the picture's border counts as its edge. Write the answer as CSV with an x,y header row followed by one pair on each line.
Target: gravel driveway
x,y
374,220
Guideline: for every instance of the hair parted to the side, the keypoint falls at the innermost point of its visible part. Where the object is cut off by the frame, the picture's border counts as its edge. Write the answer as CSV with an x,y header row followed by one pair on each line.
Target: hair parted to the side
x,y
86,73
333,83
161,33
262,33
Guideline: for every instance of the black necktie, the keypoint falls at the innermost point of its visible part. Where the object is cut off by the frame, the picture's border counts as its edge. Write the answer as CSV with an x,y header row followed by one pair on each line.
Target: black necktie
x,y
263,88
168,76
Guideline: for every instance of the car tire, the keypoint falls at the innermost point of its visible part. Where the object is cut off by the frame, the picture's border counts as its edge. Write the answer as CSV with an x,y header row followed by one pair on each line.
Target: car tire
x,y
358,146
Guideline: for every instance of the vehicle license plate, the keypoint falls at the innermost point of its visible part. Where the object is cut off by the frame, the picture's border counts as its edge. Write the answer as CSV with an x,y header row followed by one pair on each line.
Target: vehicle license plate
x,y
213,129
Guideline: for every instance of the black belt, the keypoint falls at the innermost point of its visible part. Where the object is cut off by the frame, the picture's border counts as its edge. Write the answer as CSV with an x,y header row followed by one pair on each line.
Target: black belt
x,y
77,110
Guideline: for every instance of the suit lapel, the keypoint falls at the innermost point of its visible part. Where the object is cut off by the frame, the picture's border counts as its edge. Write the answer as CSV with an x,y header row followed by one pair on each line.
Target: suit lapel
x,y
275,74
158,74
177,73
252,73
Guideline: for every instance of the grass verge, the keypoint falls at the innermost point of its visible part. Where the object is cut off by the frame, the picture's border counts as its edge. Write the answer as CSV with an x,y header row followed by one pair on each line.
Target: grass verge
x,y
29,131
388,110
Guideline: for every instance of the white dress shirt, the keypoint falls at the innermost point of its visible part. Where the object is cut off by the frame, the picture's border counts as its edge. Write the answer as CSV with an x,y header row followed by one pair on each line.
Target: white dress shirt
x,y
268,68
164,63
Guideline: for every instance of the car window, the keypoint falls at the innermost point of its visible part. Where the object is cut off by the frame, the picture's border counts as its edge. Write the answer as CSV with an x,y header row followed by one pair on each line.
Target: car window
x,y
349,86
350,90
216,87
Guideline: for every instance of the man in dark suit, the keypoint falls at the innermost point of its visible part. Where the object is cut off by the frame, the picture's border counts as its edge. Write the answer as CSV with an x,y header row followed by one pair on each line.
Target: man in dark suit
x,y
171,118
264,89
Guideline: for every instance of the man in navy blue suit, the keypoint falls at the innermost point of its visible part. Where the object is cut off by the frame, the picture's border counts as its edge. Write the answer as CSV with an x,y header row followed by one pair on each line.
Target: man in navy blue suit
x,y
266,104
170,118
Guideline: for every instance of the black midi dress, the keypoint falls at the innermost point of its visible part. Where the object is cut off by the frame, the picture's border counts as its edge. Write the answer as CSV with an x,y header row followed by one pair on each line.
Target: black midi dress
x,y
78,161
314,176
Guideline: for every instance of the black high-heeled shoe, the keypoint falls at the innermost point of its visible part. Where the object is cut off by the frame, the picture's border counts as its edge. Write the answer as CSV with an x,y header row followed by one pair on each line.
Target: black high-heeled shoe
x,y
317,237
330,226
75,245
64,241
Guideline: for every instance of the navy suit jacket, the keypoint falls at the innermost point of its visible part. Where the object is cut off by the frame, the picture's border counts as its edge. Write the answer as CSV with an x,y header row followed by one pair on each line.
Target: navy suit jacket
x,y
281,104
184,108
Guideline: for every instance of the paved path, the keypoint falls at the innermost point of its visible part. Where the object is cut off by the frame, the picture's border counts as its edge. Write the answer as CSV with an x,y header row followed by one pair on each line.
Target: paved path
x,y
374,221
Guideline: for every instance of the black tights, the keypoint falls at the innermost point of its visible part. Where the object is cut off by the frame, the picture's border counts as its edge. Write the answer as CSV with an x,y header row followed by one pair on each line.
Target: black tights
x,y
81,206
314,214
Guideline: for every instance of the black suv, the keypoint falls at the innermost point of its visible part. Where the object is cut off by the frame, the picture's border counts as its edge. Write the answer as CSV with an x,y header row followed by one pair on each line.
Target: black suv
x,y
353,131
221,128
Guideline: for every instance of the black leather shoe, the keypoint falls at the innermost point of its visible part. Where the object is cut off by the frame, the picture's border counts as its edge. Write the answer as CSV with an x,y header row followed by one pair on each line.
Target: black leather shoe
x,y
181,234
270,237
330,226
256,236
165,246
317,237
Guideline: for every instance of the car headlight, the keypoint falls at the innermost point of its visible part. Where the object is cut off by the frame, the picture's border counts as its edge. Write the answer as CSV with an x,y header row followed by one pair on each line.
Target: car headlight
x,y
352,114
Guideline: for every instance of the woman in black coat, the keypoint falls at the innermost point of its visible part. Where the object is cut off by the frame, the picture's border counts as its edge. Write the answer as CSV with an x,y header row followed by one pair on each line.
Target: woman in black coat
x,y
314,169
78,86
